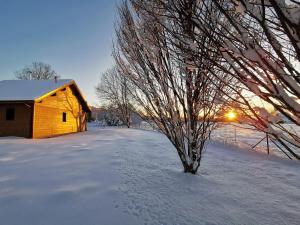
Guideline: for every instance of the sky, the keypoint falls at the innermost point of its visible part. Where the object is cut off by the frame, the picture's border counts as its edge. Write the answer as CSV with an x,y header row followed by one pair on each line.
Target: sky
x,y
73,36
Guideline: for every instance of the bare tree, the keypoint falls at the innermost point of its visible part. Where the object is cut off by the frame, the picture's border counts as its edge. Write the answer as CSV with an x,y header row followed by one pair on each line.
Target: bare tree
x,y
256,51
180,95
263,51
115,89
36,71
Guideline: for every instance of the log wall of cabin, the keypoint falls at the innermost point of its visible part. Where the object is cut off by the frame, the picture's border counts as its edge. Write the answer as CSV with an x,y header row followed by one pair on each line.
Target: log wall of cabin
x,y
20,126
48,115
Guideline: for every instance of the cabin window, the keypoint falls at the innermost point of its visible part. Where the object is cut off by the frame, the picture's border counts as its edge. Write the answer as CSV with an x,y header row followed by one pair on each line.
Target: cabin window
x,y
64,117
54,94
10,114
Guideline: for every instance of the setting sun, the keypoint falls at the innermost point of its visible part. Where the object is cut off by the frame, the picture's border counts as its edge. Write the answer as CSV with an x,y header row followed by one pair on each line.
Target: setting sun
x,y
231,115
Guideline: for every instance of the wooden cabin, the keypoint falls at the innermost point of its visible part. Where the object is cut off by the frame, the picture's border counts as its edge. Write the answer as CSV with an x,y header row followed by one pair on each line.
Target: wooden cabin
x,y
41,108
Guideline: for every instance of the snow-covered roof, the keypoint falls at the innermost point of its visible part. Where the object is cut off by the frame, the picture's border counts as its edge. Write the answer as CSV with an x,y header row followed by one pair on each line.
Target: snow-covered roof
x,y
28,90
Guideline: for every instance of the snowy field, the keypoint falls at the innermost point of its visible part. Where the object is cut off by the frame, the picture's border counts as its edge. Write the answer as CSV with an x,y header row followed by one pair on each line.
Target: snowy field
x,y
134,177
244,136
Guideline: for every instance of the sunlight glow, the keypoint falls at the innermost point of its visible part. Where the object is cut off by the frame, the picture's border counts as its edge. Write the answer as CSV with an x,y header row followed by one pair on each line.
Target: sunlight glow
x,y
231,115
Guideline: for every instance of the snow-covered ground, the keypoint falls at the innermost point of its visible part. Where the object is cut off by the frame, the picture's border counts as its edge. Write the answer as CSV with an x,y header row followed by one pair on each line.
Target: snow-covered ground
x,y
244,136
134,177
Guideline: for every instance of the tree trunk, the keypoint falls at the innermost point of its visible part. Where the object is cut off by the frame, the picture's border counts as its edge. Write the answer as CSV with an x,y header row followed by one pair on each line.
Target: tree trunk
x,y
128,122
191,169
190,165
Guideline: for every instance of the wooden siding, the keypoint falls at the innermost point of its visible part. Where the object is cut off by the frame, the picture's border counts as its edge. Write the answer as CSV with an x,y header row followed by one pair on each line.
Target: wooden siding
x,y
21,125
48,115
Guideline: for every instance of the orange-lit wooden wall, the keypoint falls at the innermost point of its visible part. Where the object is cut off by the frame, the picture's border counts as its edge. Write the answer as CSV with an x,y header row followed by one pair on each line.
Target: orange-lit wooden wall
x,y
48,115
21,125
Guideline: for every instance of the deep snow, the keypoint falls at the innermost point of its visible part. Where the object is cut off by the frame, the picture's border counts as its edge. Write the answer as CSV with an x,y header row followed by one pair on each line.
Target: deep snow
x,y
129,176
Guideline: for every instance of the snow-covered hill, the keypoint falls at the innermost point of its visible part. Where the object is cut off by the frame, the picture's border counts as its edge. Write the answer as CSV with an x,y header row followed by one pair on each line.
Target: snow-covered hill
x,y
129,176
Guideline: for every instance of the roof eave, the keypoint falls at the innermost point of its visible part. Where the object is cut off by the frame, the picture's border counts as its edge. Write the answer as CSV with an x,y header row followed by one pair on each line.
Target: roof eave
x,y
84,102
16,101
53,91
